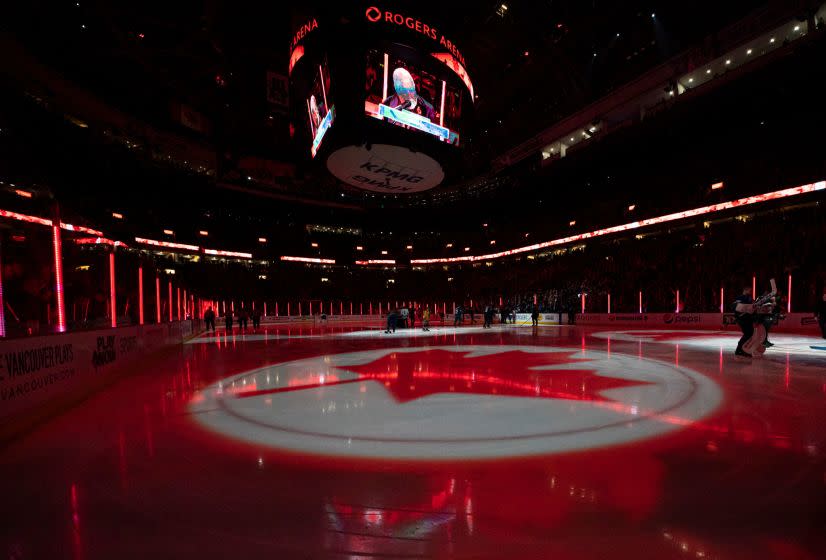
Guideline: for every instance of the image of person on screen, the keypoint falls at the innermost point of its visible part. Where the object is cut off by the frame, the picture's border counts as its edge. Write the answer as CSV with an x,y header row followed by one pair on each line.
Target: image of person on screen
x,y
315,113
406,98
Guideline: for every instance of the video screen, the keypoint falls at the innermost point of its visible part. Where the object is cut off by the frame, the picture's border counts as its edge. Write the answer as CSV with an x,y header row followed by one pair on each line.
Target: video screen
x,y
320,111
410,96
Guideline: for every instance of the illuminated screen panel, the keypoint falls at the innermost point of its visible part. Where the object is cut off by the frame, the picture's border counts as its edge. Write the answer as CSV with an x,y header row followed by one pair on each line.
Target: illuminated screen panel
x,y
411,96
320,110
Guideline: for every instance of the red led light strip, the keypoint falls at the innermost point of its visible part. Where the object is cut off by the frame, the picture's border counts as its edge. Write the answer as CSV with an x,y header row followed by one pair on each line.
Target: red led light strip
x,y
775,195
2,302
376,261
25,218
58,273
157,300
309,260
112,300
99,241
82,229
140,294
167,244
47,222
218,253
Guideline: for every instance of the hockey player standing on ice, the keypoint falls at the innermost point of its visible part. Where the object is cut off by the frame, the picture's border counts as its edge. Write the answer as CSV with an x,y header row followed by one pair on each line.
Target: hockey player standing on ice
x,y
743,313
820,311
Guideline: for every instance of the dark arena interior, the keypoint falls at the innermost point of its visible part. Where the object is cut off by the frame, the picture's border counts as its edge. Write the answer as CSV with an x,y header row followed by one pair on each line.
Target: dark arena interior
x,y
393,280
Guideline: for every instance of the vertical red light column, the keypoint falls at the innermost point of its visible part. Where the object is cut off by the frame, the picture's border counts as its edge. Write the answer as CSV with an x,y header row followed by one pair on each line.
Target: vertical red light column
x,y
609,304
677,310
789,296
753,287
640,301
58,273
2,302
140,295
722,300
583,302
179,303
113,306
158,299
170,302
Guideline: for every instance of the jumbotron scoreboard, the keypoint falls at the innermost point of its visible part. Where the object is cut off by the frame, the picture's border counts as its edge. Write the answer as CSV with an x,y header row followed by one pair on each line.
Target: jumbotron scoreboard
x,y
381,97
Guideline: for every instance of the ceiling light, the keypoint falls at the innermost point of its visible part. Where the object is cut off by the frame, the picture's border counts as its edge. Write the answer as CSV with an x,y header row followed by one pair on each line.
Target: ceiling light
x,y
314,244
117,215
493,242
262,239
572,223
717,186
690,80
631,207
449,245
728,61
384,252
203,232
409,247
797,28
24,194
749,51
708,71
771,40
359,248
467,249
572,138
169,232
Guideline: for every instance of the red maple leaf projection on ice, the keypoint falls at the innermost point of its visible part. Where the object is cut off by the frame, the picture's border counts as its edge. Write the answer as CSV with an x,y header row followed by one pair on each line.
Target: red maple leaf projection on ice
x,y
414,375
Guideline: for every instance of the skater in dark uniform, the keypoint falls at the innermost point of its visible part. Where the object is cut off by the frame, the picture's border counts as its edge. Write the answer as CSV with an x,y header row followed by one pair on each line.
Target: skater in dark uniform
x,y
209,319
820,312
743,313
256,319
392,318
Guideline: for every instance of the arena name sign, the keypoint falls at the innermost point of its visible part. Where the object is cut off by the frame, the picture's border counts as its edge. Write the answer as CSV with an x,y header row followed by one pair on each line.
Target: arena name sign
x,y
377,15
303,31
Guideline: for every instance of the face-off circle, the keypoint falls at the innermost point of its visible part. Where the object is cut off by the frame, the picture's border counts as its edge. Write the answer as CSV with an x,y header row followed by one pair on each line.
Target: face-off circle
x,y
455,402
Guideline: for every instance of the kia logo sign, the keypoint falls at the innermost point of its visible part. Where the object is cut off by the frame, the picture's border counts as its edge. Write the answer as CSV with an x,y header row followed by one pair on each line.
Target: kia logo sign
x,y
373,14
